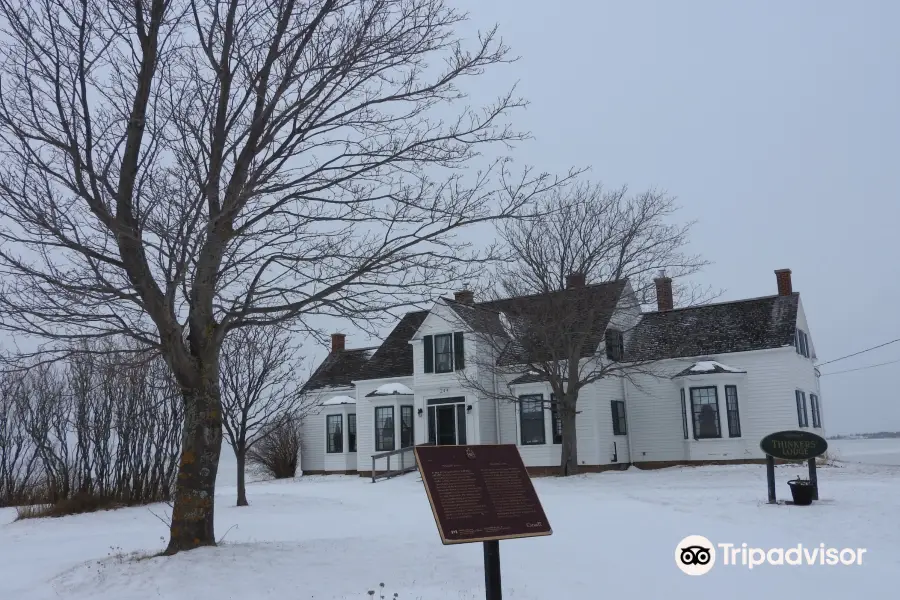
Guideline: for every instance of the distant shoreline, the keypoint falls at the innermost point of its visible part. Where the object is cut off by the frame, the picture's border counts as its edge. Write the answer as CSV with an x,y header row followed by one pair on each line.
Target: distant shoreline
x,y
881,435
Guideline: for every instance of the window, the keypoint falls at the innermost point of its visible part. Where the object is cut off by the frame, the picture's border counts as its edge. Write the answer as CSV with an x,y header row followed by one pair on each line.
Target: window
x,y
618,417
351,432
731,407
801,342
802,417
443,353
333,426
556,421
684,415
406,426
705,412
615,344
531,416
814,405
384,428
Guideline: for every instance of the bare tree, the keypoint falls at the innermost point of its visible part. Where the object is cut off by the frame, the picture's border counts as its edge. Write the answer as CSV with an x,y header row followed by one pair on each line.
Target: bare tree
x,y
259,390
605,247
175,170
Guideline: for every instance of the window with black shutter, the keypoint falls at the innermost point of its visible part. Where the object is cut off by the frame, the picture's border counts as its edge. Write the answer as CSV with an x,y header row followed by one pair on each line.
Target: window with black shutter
x,y
531,420
731,408
618,417
816,415
335,433
384,428
351,432
406,426
615,344
705,411
684,419
443,353
802,416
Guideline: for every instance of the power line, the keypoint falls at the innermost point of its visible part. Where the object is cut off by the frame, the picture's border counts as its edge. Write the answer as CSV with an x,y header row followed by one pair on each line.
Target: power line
x,y
860,352
890,362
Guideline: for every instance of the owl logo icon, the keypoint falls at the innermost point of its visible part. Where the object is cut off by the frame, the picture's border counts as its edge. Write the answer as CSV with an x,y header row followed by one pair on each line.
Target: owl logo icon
x,y
470,453
695,555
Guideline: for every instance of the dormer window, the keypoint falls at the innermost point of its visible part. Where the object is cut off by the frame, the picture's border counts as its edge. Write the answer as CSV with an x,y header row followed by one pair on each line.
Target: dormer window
x,y
615,344
444,353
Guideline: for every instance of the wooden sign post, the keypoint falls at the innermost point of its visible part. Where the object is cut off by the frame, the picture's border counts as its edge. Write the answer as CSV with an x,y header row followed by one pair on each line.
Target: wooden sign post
x,y
793,445
481,493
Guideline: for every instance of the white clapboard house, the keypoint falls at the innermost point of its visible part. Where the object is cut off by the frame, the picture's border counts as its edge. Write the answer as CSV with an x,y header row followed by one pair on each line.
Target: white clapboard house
x,y
724,375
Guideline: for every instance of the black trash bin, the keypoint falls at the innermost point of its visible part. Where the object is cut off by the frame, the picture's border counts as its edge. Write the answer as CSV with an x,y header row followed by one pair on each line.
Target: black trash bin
x,y
802,491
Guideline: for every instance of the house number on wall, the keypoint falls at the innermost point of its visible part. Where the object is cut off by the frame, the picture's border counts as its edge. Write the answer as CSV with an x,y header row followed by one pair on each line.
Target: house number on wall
x,y
443,390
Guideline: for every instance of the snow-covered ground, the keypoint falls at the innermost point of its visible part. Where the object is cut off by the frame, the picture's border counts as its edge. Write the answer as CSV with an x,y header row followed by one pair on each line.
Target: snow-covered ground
x,y
614,536
873,452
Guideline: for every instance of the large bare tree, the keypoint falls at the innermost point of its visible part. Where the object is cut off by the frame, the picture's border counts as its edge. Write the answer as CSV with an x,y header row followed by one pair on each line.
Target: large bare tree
x,y
260,390
174,170
585,261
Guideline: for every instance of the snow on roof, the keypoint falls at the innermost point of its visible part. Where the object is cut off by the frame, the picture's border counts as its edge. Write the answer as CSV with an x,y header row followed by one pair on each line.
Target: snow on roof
x,y
339,400
711,365
391,389
708,367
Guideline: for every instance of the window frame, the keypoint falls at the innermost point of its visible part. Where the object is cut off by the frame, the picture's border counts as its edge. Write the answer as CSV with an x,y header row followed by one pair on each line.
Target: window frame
x,y
816,411
412,424
329,434
619,420
448,353
695,415
802,414
732,414
684,419
532,398
615,345
379,447
351,432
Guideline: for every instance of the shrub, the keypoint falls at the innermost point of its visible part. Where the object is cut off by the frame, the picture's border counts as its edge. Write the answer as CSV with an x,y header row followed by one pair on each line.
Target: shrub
x,y
277,451
80,502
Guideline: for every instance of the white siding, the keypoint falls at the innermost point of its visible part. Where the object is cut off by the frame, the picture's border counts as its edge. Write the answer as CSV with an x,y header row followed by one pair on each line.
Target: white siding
x,y
365,419
766,404
312,431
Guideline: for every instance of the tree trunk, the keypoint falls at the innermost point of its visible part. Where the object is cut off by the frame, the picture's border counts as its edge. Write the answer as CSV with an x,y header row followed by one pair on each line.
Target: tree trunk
x,y
241,455
569,451
192,514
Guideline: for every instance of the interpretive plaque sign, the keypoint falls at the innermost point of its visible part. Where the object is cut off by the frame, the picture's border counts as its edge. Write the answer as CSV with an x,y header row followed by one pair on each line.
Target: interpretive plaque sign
x,y
480,493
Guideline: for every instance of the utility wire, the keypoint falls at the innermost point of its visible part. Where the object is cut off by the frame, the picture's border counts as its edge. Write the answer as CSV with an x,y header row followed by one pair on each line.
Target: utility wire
x,y
890,362
860,352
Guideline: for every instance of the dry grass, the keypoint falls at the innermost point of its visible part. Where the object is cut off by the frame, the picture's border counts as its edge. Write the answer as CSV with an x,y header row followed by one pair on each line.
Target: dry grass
x,y
77,504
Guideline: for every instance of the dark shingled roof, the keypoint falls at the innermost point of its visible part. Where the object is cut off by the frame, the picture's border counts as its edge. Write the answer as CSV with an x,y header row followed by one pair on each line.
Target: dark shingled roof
x,y
740,326
394,358
339,368
528,378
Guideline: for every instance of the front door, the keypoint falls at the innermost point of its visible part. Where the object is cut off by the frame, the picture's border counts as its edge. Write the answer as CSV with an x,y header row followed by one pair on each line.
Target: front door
x,y
446,422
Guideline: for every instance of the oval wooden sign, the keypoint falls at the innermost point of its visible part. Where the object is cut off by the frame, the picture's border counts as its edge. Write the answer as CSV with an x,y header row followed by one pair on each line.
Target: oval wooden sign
x,y
793,445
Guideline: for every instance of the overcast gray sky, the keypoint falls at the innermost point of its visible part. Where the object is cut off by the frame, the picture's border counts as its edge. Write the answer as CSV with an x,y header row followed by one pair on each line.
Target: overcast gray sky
x,y
775,124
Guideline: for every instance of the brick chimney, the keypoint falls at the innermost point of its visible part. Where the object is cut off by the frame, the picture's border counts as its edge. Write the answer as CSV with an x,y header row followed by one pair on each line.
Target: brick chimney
x,y
574,280
664,299
464,296
337,341
783,277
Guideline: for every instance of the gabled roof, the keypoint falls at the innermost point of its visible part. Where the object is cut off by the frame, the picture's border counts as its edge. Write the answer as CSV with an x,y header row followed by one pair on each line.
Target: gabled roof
x,y
339,369
739,326
394,358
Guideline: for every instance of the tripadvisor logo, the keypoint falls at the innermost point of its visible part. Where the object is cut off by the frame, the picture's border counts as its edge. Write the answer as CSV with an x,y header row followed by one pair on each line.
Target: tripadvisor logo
x,y
696,555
